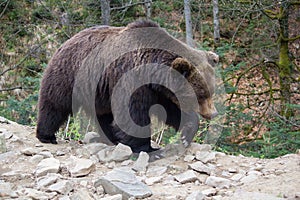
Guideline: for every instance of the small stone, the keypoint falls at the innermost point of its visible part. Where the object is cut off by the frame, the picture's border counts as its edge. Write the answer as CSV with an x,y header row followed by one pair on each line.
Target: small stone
x,y
205,156
297,195
64,198
7,134
237,177
104,155
232,170
60,153
156,171
29,151
126,162
248,179
196,196
141,163
35,194
94,148
82,167
209,192
46,154
82,194
91,137
48,165
152,180
47,180
194,147
226,174
36,159
217,182
121,152
62,187
111,165
185,177
114,197
200,167
123,182
257,173
189,158
6,190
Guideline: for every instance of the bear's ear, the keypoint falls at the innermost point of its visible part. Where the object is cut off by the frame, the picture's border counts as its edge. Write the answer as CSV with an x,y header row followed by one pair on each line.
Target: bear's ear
x,y
182,66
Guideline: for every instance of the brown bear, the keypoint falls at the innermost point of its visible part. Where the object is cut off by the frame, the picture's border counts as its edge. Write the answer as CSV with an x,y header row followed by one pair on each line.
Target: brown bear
x,y
121,75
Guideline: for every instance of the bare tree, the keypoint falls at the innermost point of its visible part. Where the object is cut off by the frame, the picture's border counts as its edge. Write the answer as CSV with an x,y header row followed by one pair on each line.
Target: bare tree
x,y
148,9
105,11
216,21
188,23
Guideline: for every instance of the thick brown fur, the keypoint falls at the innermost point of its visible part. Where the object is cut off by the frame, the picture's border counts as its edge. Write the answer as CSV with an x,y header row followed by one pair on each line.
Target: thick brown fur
x,y
55,100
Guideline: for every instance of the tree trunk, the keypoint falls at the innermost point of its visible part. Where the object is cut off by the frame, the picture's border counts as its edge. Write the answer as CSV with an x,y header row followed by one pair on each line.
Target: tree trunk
x,y
216,21
284,63
148,9
188,23
105,12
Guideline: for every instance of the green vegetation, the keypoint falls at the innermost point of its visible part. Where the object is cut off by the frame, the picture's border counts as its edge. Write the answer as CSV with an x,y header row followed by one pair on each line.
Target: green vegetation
x,y
259,64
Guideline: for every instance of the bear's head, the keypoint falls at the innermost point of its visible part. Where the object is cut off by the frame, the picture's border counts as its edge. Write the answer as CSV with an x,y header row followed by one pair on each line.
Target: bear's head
x,y
202,79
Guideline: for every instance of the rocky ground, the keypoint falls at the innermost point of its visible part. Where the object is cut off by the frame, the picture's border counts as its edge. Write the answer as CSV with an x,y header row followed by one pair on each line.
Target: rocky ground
x,y
32,170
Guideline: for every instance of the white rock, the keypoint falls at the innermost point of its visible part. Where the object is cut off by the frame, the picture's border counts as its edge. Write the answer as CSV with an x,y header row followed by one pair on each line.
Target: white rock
x,y
94,148
60,153
185,177
189,158
194,147
48,165
111,165
104,155
62,187
141,163
200,167
237,177
46,154
91,137
197,195
121,152
47,180
232,170
123,182
114,197
156,171
126,162
257,173
6,190
36,159
205,156
209,192
152,180
217,182
35,194
248,179
82,167
30,151
82,194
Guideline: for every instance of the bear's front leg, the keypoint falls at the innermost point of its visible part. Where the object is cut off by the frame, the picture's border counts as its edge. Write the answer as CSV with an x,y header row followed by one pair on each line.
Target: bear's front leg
x,y
189,128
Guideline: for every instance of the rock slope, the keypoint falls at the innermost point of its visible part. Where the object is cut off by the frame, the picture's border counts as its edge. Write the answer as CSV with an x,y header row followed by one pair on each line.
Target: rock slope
x,y
32,170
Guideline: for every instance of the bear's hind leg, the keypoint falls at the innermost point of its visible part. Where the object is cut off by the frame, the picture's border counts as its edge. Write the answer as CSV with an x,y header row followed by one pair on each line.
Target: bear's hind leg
x,y
49,121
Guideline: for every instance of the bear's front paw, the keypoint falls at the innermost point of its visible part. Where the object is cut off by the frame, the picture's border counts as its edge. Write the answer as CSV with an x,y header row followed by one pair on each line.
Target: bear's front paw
x,y
51,140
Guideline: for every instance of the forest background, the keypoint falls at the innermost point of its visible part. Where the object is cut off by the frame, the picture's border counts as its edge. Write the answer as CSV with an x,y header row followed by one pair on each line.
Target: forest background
x,y
258,42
